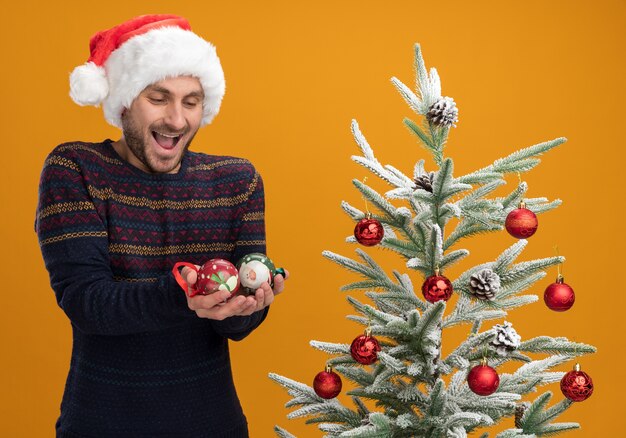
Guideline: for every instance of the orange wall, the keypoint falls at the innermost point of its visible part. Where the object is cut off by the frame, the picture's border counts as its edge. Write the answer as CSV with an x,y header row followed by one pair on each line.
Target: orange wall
x,y
297,73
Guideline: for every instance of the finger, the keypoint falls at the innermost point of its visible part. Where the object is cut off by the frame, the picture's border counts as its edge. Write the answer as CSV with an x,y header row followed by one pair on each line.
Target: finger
x,y
189,275
264,297
268,298
250,307
260,295
207,302
279,283
222,311
238,306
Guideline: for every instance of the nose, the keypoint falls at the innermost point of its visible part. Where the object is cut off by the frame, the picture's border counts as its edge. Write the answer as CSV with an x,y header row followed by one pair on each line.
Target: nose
x,y
175,117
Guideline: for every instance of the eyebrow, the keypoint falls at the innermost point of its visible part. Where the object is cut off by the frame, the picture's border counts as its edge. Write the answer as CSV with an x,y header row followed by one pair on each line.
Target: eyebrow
x,y
163,90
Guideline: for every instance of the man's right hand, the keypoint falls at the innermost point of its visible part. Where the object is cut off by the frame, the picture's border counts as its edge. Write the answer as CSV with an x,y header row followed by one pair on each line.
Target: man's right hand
x,y
215,306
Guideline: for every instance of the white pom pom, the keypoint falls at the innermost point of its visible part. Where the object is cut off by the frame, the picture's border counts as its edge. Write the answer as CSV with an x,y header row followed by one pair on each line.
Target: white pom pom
x,y
88,84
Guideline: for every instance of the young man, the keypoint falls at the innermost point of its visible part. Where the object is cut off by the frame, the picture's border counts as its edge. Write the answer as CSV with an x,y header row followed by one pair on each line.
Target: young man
x,y
113,219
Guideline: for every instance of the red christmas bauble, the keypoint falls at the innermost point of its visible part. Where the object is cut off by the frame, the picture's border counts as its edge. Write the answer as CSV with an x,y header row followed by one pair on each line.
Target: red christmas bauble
x,y
577,385
364,349
437,288
327,384
521,223
215,275
559,296
483,380
369,232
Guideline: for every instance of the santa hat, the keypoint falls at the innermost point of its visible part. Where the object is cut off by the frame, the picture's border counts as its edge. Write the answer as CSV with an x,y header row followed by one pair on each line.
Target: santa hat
x,y
127,58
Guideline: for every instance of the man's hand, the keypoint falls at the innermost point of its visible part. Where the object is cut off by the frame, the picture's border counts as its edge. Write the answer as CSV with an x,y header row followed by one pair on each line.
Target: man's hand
x,y
215,306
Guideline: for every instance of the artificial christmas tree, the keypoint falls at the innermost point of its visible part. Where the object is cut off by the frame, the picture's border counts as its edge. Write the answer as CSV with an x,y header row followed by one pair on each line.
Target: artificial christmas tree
x,y
416,391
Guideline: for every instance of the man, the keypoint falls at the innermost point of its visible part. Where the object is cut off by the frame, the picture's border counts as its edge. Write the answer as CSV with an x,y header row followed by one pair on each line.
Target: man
x,y
114,218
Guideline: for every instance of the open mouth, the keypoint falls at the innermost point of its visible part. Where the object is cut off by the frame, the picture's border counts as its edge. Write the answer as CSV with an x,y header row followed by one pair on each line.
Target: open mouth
x,y
166,141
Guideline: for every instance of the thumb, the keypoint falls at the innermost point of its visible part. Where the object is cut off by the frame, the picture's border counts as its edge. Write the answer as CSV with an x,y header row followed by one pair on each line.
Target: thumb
x,y
189,275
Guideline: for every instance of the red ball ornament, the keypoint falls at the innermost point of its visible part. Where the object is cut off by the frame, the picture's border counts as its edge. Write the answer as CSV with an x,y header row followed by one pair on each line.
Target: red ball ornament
x,y
364,349
483,380
369,232
521,222
437,288
559,296
327,384
577,385
213,276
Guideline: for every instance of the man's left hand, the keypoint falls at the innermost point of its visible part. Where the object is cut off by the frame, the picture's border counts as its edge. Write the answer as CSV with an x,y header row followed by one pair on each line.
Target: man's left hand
x,y
264,296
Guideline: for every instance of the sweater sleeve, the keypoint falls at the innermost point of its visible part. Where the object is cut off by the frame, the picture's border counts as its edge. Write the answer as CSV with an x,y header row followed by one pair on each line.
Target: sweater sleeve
x,y
74,243
250,238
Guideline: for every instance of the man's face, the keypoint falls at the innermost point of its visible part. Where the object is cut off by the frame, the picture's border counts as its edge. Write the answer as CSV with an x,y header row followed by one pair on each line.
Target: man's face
x,y
160,124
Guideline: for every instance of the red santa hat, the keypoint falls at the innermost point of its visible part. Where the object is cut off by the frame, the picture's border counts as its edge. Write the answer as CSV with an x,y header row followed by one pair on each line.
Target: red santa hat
x,y
147,49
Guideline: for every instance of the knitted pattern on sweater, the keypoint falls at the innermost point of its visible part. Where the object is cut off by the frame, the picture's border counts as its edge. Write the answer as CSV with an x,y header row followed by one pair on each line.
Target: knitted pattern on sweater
x,y
143,364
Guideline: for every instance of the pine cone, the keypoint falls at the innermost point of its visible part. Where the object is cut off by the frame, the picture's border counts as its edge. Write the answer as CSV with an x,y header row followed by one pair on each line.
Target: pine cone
x,y
443,113
425,182
519,413
506,338
484,284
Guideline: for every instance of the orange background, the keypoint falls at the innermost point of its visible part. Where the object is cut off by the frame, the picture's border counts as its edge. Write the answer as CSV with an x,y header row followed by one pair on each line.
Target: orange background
x,y
297,73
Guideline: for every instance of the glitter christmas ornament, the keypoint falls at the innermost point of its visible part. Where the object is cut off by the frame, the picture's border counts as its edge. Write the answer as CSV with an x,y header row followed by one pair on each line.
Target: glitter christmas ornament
x,y
368,231
559,296
213,276
521,223
437,288
577,385
364,349
483,380
327,383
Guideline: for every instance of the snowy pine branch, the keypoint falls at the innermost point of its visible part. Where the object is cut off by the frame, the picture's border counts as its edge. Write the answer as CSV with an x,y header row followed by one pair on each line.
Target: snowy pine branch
x,y
282,433
378,426
512,433
536,419
445,186
428,142
392,214
369,161
376,278
560,345
427,88
330,347
521,160
296,389
351,265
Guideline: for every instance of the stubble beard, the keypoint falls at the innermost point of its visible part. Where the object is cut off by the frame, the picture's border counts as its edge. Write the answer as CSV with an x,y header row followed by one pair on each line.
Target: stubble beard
x,y
139,144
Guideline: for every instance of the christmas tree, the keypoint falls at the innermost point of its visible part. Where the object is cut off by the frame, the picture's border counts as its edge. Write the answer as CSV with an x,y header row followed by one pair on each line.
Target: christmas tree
x,y
403,386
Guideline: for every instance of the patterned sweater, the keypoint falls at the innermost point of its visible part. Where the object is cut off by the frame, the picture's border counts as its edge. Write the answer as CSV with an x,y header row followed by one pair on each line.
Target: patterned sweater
x,y
143,364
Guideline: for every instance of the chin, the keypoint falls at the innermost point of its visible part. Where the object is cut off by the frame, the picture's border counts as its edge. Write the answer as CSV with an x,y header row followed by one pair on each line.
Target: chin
x,y
171,166
169,162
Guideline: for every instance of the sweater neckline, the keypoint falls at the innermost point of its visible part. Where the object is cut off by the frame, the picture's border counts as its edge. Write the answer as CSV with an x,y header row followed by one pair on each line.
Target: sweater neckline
x,y
146,175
